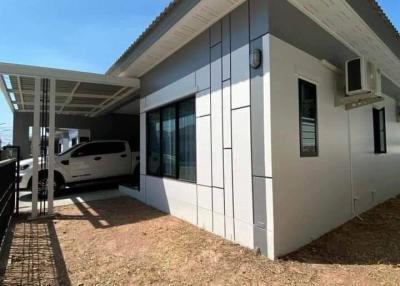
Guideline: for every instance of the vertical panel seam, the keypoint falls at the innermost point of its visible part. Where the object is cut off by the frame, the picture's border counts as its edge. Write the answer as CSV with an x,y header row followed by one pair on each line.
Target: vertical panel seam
x,y
230,111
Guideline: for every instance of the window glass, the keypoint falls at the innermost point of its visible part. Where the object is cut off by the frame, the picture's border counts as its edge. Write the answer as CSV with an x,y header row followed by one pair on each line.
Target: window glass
x,y
153,143
187,141
112,147
84,139
168,141
308,119
379,130
100,148
171,141
86,150
70,149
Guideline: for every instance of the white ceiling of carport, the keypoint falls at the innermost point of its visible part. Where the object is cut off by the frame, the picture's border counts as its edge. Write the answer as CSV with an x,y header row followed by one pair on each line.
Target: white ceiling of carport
x,y
77,93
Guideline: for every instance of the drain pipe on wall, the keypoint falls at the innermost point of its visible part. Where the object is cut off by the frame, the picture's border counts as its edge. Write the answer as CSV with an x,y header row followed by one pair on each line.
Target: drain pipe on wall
x,y
354,199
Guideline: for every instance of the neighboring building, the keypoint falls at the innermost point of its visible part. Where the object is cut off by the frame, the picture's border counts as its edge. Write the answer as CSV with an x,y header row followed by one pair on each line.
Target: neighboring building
x,y
245,129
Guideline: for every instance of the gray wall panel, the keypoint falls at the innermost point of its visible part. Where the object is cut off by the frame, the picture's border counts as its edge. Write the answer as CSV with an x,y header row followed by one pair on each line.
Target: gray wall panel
x,y
240,27
240,70
226,48
194,56
260,240
257,114
215,34
259,18
259,197
216,117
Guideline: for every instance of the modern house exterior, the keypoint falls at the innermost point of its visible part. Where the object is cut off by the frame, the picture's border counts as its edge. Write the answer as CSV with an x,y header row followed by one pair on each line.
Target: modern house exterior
x,y
246,129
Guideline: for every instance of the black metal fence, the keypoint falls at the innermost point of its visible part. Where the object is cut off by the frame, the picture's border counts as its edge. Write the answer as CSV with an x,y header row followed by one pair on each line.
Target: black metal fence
x,y
9,192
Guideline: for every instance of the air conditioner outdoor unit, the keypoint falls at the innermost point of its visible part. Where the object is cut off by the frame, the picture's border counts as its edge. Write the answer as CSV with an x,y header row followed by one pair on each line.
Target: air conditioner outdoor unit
x,y
362,78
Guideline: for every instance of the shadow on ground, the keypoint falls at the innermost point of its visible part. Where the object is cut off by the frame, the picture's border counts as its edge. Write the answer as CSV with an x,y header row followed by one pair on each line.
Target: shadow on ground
x,y
106,215
372,239
34,253
71,191
124,242
35,256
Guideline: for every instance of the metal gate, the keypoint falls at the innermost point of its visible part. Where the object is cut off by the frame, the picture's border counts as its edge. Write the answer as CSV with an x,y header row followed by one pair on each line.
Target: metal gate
x,y
9,191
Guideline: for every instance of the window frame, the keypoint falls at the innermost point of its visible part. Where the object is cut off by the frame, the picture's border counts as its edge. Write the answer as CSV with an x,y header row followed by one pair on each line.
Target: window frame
x,y
376,112
148,173
304,154
160,173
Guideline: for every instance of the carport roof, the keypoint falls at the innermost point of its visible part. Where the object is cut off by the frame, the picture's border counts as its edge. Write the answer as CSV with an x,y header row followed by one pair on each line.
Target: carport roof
x,y
77,93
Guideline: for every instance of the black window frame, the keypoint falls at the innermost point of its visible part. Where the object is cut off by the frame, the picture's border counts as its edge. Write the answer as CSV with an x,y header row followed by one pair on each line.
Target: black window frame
x,y
303,153
160,172
379,147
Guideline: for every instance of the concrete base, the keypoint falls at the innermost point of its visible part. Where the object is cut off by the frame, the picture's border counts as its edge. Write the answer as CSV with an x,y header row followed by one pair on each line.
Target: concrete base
x,y
133,192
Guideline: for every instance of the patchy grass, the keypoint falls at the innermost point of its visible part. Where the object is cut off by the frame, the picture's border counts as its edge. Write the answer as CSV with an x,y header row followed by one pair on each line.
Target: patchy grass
x,y
123,242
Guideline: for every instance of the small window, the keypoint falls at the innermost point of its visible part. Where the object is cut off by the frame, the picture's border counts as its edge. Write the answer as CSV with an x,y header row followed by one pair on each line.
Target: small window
x,y
379,130
308,119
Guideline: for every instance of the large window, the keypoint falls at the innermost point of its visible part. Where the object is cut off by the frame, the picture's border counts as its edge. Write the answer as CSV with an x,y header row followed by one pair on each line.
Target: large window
x,y
171,141
379,130
308,119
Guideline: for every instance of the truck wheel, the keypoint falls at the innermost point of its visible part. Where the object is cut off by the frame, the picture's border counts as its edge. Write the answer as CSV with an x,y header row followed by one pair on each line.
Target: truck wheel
x,y
58,182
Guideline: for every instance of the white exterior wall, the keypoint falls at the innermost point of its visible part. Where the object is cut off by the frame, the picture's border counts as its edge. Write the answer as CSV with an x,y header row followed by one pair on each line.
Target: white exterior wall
x,y
314,195
375,177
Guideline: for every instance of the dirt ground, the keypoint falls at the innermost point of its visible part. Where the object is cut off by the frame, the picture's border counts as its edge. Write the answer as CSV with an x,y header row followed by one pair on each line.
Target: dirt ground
x,y
122,242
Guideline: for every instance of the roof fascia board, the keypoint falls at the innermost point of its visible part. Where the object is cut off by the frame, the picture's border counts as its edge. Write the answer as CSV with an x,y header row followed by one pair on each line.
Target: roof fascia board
x,y
378,22
59,74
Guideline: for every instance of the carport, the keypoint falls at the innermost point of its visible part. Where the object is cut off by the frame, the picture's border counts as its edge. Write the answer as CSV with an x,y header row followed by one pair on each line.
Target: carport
x,y
46,92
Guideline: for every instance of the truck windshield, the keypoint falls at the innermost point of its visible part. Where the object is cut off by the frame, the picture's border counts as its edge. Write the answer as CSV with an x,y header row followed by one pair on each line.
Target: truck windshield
x,y
70,149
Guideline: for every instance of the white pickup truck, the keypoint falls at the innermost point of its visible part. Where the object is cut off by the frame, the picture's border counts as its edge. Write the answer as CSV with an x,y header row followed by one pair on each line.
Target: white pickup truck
x,y
87,162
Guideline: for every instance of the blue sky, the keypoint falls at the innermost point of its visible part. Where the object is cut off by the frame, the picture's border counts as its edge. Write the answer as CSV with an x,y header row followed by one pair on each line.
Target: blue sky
x,y
80,35
86,35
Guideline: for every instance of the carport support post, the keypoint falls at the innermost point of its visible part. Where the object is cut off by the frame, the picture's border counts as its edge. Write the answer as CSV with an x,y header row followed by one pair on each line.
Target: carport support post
x,y
52,117
35,147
